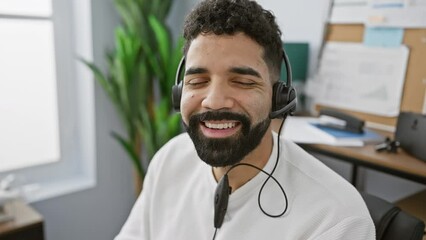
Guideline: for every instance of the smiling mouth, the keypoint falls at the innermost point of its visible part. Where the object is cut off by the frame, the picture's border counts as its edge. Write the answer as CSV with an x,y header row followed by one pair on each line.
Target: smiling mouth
x,y
220,125
220,129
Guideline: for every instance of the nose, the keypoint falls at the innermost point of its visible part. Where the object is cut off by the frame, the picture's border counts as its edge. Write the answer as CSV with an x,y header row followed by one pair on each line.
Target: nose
x,y
218,97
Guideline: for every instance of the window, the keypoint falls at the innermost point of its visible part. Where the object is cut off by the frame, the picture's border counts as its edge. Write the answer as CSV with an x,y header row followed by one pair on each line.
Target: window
x,y
46,96
28,96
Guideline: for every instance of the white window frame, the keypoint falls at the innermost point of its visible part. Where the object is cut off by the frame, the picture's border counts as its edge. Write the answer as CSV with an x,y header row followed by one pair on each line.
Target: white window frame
x,y
76,169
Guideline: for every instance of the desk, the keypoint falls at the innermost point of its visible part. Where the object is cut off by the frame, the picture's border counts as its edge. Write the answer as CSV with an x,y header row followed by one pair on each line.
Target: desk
x,y
400,164
27,223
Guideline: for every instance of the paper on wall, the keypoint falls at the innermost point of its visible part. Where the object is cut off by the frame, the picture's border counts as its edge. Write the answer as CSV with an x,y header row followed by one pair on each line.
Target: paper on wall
x,y
383,36
360,78
380,13
397,13
349,11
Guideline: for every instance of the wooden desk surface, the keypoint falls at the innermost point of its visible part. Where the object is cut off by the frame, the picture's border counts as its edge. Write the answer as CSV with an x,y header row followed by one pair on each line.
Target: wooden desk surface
x,y
399,164
25,219
401,161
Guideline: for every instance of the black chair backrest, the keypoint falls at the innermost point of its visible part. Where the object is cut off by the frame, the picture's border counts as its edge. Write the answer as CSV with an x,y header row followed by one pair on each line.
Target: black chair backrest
x,y
391,222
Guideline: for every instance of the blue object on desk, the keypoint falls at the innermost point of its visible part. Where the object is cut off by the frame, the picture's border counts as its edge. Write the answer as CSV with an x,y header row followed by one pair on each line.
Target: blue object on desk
x,y
366,136
341,121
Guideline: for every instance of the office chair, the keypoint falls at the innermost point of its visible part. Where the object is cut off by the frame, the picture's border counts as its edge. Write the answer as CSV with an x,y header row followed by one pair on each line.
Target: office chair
x,y
391,222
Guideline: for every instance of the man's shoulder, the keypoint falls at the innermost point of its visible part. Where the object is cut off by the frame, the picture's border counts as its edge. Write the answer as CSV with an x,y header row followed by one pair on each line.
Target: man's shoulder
x,y
309,166
332,200
177,151
181,139
319,181
177,144
175,166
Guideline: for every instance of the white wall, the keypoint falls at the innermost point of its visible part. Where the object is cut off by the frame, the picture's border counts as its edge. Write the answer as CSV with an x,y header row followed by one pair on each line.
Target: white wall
x,y
177,15
301,21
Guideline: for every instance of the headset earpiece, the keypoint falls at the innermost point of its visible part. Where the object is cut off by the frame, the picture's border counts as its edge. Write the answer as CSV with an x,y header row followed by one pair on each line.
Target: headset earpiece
x,y
176,96
177,88
284,97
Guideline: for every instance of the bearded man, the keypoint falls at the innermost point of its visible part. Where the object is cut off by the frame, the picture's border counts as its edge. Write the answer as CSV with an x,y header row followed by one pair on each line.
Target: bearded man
x,y
269,188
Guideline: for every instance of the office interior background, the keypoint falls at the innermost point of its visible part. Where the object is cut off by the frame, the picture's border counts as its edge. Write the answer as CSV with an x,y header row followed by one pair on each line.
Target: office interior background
x,y
99,211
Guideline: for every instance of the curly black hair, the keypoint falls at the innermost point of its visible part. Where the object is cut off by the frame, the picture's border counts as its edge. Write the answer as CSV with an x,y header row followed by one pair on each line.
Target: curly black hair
x,y
234,16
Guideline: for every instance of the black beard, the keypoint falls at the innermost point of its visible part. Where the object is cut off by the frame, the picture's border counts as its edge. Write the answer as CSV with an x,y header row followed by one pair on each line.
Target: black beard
x,y
222,152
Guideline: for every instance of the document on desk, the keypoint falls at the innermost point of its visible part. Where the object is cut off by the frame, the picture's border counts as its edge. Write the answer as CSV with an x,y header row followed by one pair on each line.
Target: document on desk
x,y
303,130
397,13
360,78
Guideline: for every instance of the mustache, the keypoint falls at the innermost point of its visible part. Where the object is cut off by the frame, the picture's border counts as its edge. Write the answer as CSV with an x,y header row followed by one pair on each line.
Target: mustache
x,y
220,115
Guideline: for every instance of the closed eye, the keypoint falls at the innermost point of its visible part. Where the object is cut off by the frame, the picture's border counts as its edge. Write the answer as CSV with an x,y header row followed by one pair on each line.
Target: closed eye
x,y
244,83
196,82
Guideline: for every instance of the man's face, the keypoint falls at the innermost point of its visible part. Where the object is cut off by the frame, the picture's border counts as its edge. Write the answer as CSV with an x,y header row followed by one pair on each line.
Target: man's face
x,y
226,97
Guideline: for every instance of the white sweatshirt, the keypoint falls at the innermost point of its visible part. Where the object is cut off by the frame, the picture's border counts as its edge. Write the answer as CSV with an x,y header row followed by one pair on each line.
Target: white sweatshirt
x,y
177,201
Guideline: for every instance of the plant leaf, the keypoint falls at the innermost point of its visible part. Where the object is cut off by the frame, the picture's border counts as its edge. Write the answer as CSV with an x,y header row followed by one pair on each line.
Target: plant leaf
x,y
163,38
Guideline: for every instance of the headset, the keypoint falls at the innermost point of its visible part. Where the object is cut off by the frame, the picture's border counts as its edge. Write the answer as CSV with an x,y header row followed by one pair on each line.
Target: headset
x,y
284,97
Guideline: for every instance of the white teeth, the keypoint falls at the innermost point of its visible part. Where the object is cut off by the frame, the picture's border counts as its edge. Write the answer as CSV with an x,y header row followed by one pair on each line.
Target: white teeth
x,y
220,125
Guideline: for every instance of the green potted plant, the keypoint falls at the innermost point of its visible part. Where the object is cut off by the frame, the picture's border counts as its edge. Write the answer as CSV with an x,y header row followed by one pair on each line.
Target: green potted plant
x,y
139,78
